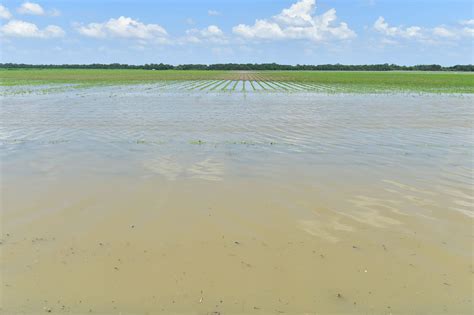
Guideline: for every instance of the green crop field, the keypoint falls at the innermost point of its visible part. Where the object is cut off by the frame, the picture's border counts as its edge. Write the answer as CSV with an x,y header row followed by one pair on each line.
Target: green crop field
x,y
99,76
284,81
410,81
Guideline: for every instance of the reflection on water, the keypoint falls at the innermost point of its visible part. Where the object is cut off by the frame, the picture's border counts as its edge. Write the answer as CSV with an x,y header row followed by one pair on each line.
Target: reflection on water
x,y
257,183
207,169
416,148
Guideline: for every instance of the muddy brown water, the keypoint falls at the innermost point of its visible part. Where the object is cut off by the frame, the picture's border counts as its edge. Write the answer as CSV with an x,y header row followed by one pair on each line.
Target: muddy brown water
x,y
127,201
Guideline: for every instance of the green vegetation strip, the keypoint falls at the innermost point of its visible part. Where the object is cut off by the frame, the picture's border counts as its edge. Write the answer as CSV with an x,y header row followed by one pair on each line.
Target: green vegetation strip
x,y
269,84
226,85
253,87
261,85
208,85
198,85
280,86
217,85
188,84
338,81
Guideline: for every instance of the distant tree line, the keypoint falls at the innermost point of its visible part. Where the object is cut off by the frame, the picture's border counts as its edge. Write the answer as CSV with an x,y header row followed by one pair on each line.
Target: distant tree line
x,y
245,66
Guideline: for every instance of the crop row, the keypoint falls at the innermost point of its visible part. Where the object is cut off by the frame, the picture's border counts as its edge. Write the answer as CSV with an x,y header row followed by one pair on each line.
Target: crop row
x,y
243,86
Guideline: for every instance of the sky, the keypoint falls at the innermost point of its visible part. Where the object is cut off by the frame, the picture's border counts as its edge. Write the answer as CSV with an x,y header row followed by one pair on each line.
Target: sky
x,y
404,32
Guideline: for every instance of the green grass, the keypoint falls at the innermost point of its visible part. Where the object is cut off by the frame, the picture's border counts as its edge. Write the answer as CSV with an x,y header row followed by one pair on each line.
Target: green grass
x,y
352,82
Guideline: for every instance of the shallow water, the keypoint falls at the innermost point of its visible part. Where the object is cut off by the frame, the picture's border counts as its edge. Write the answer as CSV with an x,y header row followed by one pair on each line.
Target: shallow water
x,y
136,199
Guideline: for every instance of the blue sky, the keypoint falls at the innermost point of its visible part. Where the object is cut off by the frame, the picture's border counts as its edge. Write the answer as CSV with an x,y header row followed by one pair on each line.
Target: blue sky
x,y
283,31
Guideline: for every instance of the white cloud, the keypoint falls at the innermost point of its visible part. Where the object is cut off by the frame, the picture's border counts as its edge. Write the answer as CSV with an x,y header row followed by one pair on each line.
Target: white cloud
x,y
31,8
468,22
213,13
4,13
443,32
212,34
123,27
261,29
15,28
468,31
299,14
425,35
297,22
382,27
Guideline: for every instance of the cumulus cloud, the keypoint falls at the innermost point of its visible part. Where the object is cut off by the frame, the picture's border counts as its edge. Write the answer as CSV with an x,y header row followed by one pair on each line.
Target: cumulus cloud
x,y
31,8
468,22
468,31
382,27
15,28
299,14
212,34
423,34
441,31
297,22
213,13
123,27
4,13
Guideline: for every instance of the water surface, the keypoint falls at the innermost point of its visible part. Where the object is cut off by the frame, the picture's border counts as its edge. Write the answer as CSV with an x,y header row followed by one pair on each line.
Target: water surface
x,y
140,200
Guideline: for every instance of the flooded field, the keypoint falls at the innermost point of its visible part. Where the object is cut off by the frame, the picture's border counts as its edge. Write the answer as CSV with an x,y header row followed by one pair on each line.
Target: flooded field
x,y
194,86
173,199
